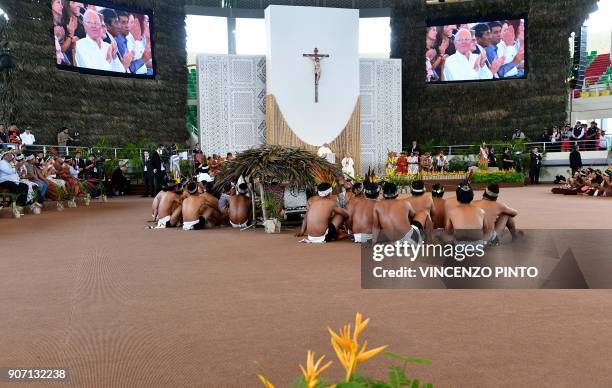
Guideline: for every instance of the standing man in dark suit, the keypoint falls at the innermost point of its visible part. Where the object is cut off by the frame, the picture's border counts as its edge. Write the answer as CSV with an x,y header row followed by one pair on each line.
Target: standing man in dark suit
x,y
157,165
147,175
79,164
414,148
534,167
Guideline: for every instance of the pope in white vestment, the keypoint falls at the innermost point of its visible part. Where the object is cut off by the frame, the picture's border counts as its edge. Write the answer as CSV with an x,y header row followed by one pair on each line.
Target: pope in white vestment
x,y
92,52
463,65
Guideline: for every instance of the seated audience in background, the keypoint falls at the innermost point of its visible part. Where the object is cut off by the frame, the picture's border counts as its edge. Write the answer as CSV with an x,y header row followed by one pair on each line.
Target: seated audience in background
x,y
32,174
3,135
413,163
426,162
603,140
13,135
27,137
9,179
401,164
78,163
441,162
119,182
35,191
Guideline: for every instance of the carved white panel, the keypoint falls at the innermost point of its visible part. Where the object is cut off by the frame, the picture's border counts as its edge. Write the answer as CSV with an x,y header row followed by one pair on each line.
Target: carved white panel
x,y
232,110
381,111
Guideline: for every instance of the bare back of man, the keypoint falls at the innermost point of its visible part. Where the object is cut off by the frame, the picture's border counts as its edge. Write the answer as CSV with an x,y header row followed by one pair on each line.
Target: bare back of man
x,y
169,213
422,202
467,222
323,219
498,215
362,218
239,210
391,220
439,212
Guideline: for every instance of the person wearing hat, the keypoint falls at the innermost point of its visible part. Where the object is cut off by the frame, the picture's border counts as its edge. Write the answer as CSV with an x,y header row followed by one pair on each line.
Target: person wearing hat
x,y
419,200
22,170
9,179
31,174
438,210
498,214
323,217
395,219
196,211
466,222
240,213
362,213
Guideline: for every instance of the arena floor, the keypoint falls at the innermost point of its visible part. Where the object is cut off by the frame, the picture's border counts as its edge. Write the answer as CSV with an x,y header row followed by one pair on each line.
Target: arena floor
x,y
92,290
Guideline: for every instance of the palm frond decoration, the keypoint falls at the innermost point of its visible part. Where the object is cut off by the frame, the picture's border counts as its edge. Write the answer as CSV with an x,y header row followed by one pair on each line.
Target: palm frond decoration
x,y
290,166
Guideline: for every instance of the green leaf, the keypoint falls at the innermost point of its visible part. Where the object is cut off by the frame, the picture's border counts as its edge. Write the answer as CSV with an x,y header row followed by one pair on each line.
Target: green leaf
x,y
411,359
299,383
397,377
415,383
351,384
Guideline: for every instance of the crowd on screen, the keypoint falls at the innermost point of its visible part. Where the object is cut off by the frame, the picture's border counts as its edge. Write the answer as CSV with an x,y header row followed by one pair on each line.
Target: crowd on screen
x,y
100,38
493,50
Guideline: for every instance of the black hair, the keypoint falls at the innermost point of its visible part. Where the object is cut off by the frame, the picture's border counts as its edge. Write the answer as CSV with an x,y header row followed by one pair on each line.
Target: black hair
x,y
109,15
122,14
389,190
417,188
480,29
493,25
437,191
493,188
357,188
192,187
371,190
324,186
465,194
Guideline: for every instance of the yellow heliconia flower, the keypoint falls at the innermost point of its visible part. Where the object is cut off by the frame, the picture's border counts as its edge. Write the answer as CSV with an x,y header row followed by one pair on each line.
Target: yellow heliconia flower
x,y
347,349
312,371
265,382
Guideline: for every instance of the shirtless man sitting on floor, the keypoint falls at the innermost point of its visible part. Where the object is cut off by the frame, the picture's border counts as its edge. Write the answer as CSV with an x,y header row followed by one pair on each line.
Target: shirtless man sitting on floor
x,y
362,214
197,211
466,222
420,200
323,217
240,212
396,220
168,206
439,206
499,215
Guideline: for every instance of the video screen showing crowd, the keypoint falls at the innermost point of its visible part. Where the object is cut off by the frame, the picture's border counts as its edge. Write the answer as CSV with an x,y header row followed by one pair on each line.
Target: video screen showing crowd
x,y
93,37
492,50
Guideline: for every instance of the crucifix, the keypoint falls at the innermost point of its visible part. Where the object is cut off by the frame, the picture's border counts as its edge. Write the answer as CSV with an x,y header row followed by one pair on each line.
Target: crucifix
x,y
316,59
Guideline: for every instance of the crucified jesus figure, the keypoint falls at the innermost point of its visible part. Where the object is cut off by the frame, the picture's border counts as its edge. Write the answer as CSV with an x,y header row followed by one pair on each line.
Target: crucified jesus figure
x,y
316,59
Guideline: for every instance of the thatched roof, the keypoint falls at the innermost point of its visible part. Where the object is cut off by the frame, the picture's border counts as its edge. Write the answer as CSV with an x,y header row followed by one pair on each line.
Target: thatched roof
x,y
290,166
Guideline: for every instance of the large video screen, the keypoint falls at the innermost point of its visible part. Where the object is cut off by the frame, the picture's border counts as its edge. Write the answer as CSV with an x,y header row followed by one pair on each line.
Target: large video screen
x,y
484,50
94,38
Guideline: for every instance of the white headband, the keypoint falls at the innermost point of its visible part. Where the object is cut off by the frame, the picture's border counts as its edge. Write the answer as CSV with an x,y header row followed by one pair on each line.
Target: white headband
x,y
417,190
325,193
491,194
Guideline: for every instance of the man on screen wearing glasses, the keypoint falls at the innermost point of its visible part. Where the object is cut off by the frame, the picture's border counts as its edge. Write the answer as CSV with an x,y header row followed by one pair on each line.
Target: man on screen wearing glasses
x,y
465,65
92,52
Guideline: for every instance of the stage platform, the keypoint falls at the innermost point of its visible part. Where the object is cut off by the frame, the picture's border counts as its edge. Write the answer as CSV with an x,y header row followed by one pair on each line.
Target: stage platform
x,y
92,290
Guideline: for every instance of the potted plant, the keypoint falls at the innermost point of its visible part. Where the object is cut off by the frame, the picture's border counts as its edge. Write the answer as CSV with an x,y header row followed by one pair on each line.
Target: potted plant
x,y
71,196
35,207
271,213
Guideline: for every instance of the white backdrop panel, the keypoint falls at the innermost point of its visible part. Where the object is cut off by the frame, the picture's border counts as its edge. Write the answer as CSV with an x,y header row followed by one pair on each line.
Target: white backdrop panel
x,y
293,31
232,90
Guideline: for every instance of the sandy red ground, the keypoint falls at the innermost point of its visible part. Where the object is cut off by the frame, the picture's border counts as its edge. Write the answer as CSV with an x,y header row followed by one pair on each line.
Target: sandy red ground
x,y
121,306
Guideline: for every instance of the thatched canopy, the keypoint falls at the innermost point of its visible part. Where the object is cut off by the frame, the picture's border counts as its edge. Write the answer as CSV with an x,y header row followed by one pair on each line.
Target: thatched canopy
x,y
290,166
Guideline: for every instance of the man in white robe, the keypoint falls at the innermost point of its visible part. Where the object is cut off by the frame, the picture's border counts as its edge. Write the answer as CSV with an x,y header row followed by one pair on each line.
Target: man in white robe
x,y
465,65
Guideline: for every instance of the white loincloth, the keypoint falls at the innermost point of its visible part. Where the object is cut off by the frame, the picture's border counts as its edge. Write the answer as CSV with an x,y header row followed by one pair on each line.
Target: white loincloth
x,y
315,240
31,186
362,237
188,225
161,223
413,237
240,226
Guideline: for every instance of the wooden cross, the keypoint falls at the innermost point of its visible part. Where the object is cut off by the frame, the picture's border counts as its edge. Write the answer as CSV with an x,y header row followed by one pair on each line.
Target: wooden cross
x,y
316,59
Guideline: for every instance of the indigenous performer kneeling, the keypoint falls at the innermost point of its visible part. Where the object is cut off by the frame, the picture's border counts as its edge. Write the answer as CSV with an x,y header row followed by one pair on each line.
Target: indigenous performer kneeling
x,y
498,214
240,213
439,206
466,222
197,210
392,219
167,207
323,217
419,200
362,214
